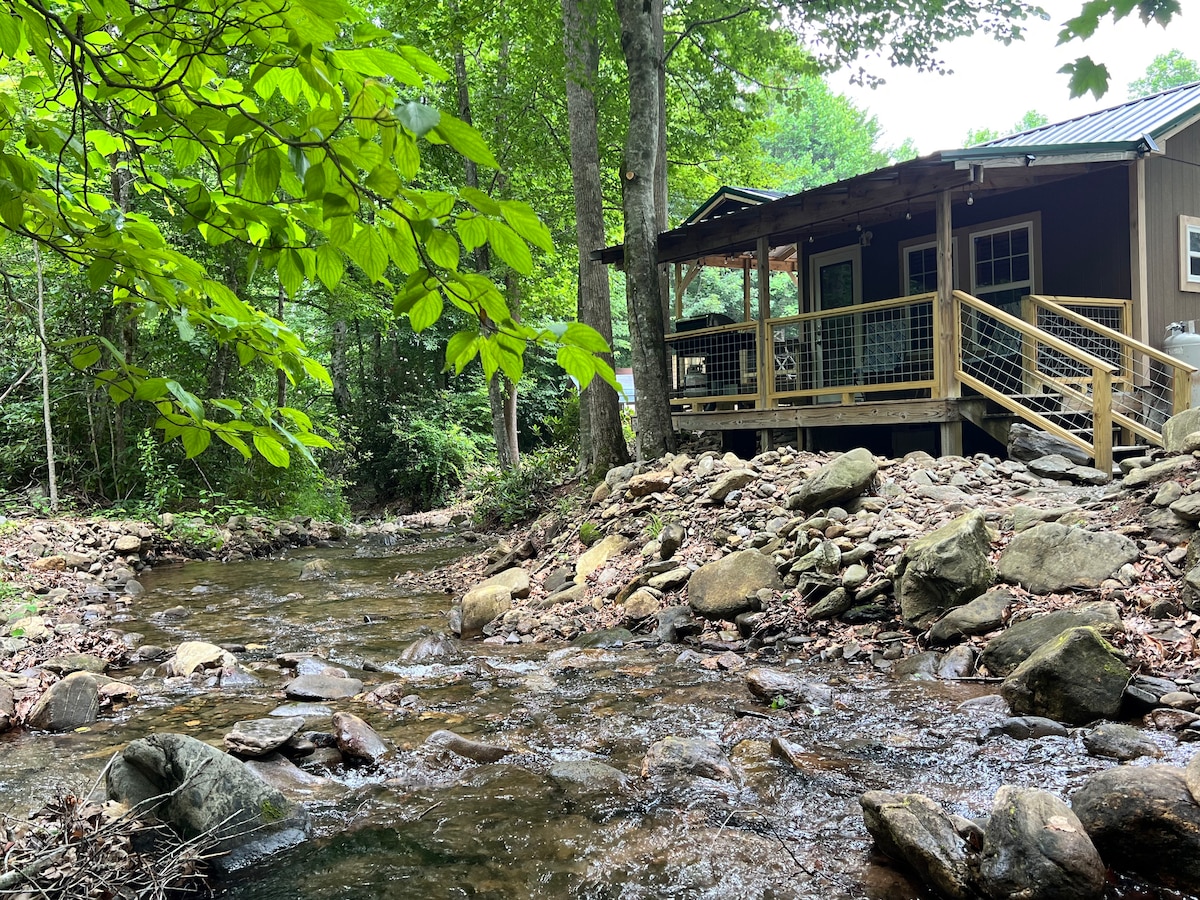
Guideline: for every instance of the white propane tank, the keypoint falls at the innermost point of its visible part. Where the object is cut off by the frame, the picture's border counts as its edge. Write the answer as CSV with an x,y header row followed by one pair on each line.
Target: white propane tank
x,y
1183,343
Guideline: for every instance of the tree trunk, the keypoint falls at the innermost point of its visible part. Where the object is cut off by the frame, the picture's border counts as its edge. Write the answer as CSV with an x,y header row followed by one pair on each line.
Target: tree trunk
x,y
338,369
51,466
643,293
602,441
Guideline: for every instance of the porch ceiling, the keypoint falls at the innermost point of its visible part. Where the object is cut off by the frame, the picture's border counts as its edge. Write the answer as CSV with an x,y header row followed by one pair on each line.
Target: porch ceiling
x,y
883,195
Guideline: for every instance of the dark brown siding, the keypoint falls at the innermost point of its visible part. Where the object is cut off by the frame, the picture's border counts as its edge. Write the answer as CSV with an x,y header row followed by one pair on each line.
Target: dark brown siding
x,y
1172,190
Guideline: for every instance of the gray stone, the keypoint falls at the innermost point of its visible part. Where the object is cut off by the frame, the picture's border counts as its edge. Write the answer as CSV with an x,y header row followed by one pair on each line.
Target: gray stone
x,y
199,790
642,604
67,704
675,623
358,741
1156,472
728,483
1112,740
599,555
650,483
832,605
516,580
915,831
918,667
671,539
1025,728
946,568
602,639
1034,848
846,477
1176,429
193,656
725,588
258,737
1187,507
958,662
1075,677
1027,443
769,684
583,777
75,662
314,569
321,687
699,757
1054,557
983,614
1053,466
476,751
434,647
671,580
1145,819
1008,650
480,606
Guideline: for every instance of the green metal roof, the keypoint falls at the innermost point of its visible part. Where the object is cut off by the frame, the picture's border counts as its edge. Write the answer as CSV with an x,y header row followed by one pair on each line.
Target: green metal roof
x,y
1123,128
730,199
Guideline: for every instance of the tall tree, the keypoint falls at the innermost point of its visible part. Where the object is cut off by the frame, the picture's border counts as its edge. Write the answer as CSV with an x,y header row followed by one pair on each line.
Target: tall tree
x,y
643,288
602,440
1167,70
1032,119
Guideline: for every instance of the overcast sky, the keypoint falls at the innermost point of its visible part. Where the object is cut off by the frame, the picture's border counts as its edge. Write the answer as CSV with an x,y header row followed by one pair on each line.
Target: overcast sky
x,y
993,86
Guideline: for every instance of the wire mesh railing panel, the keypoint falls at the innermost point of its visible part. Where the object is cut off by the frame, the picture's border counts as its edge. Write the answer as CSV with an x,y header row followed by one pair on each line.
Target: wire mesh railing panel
x,y
714,365
879,347
1144,386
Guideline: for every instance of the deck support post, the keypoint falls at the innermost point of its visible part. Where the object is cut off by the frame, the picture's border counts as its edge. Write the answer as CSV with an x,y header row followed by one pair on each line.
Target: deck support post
x,y
945,356
765,355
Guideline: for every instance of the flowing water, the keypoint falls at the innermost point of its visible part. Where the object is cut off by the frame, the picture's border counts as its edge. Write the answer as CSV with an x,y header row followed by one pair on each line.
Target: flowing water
x,y
433,825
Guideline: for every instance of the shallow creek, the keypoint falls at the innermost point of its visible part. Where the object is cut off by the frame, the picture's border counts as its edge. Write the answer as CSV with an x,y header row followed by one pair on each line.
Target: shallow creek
x,y
434,825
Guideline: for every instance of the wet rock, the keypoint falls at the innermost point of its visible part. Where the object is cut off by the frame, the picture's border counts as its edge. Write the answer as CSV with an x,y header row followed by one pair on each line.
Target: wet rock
x,y
1026,443
358,741
983,614
671,539
946,568
480,606
1034,848
202,791
284,775
433,647
1145,819
195,656
846,477
675,623
304,710
769,684
75,662
67,704
919,666
258,737
321,687
314,569
602,639
729,586
956,663
1053,557
476,751
599,555
915,831
1113,740
8,708
1007,651
686,756
516,580
581,777
1075,677
1025,728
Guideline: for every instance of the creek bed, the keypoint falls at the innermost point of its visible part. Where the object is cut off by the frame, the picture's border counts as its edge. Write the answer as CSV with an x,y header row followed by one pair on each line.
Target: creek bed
x,y
433,825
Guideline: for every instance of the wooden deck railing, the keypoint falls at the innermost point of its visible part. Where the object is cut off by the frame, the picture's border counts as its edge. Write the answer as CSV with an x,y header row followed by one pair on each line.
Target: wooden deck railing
x,y
998,355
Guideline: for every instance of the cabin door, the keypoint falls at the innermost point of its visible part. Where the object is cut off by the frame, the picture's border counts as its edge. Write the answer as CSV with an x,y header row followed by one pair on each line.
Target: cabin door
x,y
837,340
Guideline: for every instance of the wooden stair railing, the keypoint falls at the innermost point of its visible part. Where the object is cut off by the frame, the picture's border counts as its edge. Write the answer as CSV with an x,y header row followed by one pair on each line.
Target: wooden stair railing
x,y
997,354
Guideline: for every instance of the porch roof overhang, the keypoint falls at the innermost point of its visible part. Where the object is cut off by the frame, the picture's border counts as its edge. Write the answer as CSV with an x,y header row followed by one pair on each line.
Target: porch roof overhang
x,y
882,195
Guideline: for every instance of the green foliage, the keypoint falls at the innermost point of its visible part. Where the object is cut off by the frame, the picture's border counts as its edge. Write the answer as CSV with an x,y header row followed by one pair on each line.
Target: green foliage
x,y
506,498
196,535
1167,70
1032,119
589,533
429,458
780,702
1088,75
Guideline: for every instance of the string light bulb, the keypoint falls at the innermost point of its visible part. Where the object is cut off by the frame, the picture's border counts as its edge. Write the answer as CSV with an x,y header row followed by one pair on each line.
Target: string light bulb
x,y
970,199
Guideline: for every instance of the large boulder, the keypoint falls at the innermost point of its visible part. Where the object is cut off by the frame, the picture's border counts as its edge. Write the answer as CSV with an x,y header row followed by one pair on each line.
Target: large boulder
x,y
479,607
1054,557
1027,443
728,483
358,741
1008,650
515,579
846,477
1034,848
476,751
915,831
1144,818
203,793
1178,427
1075,677
946,568
726,588
67,705
598,555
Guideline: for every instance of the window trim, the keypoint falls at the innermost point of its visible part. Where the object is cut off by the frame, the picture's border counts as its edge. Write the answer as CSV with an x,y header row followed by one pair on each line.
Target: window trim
x,y
1033,219
996,228
905,272
1187,282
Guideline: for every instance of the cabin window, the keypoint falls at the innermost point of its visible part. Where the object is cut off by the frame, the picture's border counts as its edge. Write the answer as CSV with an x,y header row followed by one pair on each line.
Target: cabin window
x,y
1189,256
1002,266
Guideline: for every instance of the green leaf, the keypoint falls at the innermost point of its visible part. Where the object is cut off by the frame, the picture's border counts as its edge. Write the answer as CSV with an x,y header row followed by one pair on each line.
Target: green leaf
x,y
291,272
577,363
510,247
376,61
190,402
271,450
585,337
195,441
330,267
1087,75
524,221
101,268
471,230
419,118
425,311
86,357
151,389
10,34
235,442
443,250
465,140
369,253
480,201
187,332
461,349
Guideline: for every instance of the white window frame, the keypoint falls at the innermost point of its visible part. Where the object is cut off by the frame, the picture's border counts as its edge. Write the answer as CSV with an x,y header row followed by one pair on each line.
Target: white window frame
x,y
905,272
1188,225
1028,225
